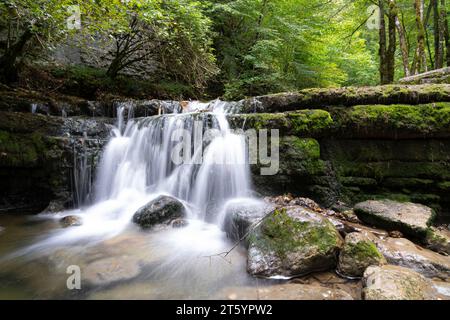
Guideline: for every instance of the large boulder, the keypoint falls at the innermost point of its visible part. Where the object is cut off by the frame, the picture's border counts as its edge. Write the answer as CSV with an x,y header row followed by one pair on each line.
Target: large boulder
x,y
405,253
409,218
291,242
160,210
396,283
358,253
241,215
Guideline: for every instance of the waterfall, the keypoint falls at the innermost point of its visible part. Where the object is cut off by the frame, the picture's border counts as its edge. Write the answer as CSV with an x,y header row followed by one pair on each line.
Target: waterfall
x,y
138,159
138,165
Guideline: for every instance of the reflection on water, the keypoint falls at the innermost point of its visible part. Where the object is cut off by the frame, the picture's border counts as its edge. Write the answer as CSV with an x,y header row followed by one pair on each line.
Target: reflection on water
x,y
167,263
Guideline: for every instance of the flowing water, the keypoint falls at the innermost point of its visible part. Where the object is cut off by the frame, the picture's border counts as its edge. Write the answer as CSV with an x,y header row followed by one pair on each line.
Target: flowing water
x,y
118,259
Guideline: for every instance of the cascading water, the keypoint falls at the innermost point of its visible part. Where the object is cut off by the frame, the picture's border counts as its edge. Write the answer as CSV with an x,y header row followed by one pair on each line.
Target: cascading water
x,y
138,165
140,162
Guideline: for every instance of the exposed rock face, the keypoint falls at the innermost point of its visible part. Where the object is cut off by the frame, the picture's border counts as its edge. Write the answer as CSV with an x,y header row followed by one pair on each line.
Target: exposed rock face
x,y
292,242
289,291
239,217
438,240
410,218
160,210
404,253
71,221
396,283
358,253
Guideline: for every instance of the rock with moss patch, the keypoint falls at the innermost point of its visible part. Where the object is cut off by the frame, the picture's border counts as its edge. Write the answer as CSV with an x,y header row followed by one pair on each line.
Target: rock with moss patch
x,y
409,218
241,215
405,253
438,240
358,253
396,283
160,210
293,241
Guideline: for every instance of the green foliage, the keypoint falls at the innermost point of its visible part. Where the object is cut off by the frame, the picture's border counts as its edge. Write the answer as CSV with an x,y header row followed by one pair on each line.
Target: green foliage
x,y
271,46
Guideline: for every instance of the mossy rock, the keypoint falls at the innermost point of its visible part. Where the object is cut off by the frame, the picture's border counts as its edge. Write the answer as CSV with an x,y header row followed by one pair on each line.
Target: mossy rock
x,y
358,253
438,240
292,242
400,121
347,96
302,123
299,148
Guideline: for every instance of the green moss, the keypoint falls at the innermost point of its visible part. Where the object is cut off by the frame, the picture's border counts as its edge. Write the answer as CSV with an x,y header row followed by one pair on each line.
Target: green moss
x,y
444,185
21,150
363,250
425,118
310,121
357,181
282,234
295,148
260,121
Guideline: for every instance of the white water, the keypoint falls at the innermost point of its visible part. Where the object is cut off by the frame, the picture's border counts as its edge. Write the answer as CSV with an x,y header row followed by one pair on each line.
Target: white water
x,y
136,167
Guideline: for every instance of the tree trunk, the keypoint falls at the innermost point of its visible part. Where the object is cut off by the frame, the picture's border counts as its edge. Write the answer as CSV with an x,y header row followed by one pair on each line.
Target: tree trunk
x,y
382,42
421,57
8,66
444,31
438,36
390,69
403,46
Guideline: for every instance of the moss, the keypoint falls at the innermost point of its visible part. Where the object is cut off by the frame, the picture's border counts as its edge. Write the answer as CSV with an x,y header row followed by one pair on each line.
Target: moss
x,y
266,121
394,169
357,181
310,121
444,185
363,250
424,118
282,234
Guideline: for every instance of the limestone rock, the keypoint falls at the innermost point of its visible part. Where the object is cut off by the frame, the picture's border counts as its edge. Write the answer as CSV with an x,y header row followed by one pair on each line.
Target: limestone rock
x,y
292,242
160,210
358,253
409,218
405,253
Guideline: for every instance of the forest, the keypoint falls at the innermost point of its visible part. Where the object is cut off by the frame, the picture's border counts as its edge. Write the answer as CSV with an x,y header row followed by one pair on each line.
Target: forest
x,y
227,48
225,150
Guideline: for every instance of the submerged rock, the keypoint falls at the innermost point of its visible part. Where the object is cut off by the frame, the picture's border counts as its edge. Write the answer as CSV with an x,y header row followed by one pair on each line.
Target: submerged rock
x,y
71,221
358,253
291,242
396,283
109,270
290,291
160,210
409,218
240,216
405,253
